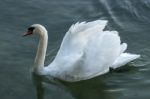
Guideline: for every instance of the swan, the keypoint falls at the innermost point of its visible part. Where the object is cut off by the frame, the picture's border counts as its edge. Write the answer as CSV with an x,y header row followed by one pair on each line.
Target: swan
x,y
86,51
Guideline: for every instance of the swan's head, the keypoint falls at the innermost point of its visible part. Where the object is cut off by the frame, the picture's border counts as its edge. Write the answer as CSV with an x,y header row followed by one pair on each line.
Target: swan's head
x,y
36,29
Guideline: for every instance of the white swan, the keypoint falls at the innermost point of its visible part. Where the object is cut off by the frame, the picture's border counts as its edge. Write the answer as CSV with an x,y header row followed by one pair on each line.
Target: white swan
x,y
86,52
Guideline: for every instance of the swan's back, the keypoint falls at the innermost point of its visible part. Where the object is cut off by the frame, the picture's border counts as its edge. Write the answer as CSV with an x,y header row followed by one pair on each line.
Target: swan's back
x,y
86,51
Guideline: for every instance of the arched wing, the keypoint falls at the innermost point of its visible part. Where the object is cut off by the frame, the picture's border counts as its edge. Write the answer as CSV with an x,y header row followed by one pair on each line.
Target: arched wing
x,y
77,37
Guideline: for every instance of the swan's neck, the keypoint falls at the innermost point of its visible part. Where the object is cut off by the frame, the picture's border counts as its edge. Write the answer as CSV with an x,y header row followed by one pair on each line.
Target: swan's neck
x,y
41,52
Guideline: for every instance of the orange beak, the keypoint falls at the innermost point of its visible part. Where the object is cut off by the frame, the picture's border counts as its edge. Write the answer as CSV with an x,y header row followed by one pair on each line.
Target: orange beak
x,y
27,33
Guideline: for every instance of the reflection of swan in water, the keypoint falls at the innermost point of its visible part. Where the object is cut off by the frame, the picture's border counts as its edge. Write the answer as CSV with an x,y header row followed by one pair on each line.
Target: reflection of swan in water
x,y
38,84
86,52
47,88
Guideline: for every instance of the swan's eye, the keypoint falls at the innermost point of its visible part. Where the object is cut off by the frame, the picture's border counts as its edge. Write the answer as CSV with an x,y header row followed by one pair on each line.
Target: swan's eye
x,y
31,29
29,32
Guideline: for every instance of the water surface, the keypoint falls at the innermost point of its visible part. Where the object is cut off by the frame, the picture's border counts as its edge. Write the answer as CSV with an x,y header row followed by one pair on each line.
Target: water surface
x,y
129,17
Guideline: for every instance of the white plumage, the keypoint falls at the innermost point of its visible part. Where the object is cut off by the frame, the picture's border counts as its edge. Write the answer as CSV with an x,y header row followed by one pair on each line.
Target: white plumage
x,y
86,51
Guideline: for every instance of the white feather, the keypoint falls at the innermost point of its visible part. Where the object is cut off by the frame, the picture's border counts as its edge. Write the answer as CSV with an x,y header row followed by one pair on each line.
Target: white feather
x,y
86,51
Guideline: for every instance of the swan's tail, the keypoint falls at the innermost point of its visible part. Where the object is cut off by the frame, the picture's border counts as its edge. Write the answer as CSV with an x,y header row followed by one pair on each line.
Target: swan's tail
x,y
123,59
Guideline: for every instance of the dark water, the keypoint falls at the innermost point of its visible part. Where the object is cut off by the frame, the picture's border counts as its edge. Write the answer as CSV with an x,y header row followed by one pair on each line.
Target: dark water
x,y
129,17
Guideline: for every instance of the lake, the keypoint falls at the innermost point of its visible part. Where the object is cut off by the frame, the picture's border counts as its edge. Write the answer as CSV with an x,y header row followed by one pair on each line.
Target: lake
x,y
129,17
